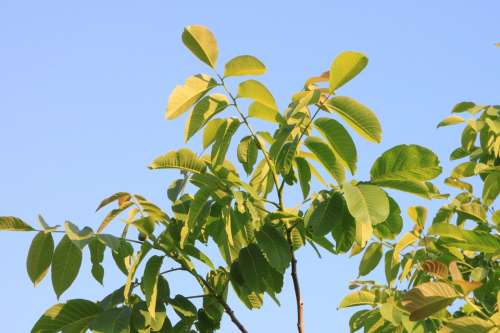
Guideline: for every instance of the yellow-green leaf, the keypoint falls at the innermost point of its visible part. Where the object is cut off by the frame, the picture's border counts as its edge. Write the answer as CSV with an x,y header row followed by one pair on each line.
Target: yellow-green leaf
x,y
261,111
405,241
183,159
11,223
326,157
150,282
340,141
201,42
451,120
346,66
371,258
183,97
358,116
255,90
467,325
418,214
202,112
361,297
244,65
491,188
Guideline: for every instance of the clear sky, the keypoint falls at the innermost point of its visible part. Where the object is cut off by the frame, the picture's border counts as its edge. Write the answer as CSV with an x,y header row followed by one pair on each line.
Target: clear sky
x,y
84,84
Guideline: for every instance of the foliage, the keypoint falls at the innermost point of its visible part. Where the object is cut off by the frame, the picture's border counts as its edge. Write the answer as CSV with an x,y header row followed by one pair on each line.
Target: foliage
x,y
257,236
445,278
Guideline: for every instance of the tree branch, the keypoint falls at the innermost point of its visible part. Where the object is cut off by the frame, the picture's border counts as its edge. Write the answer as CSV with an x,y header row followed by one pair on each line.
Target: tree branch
x,y
296,286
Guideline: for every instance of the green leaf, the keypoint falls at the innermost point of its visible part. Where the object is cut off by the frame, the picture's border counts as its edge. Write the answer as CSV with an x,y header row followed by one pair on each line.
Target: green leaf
x,y
40,256
462,107
263,112
66,264
11,223
454,182
72,316
113,214
115,320
247,153
202,112
366,203
150,282
223,140
344,226
210,131
427,299
244,65
391,268
405,163
201,42
340,141
451,120
275,247
467,325
326,157
121,197
195,210
491,188
175,189
361,297
346,66
358,116
392,226
258,92
371,258
183,307
183,97
285,157
304,173
466,239
319,218
183,159
97,248
466,169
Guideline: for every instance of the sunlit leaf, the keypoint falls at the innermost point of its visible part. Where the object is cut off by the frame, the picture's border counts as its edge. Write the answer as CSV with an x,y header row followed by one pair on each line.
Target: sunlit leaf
x,y
11,223
326,157
255,90
183,159
361,297
346,66
244,65
202,112
201,42
358,116
427,299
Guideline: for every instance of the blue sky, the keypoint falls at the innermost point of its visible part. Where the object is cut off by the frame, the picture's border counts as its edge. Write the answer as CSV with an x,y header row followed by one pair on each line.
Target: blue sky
x,y
84,85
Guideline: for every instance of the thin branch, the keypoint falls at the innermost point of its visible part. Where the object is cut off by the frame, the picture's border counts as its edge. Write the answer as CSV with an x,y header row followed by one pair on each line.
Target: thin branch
x,y
296,286
254,136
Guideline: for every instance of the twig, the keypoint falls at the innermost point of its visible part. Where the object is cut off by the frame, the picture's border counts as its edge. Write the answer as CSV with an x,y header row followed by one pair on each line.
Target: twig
x,y
296,286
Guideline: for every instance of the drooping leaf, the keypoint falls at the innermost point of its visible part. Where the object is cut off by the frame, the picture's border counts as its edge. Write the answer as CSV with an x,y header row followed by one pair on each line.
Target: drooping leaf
x,y
183,159
346,66
274,246
183,97
121,197
371,258
223,140
202,112
344,226
361,297
40,256
319,218
150,282
427,299
183,307
326,157
66,264
435,268
201,42
462,107
247,153
72,316
255,90
97,248
244,65
304,173
11,223
405,163
358,116
392,226
340,141
466,239
491,188
210,131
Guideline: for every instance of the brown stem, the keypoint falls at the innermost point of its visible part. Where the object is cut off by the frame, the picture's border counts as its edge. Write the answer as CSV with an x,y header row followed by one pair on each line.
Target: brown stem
x,y
296,286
